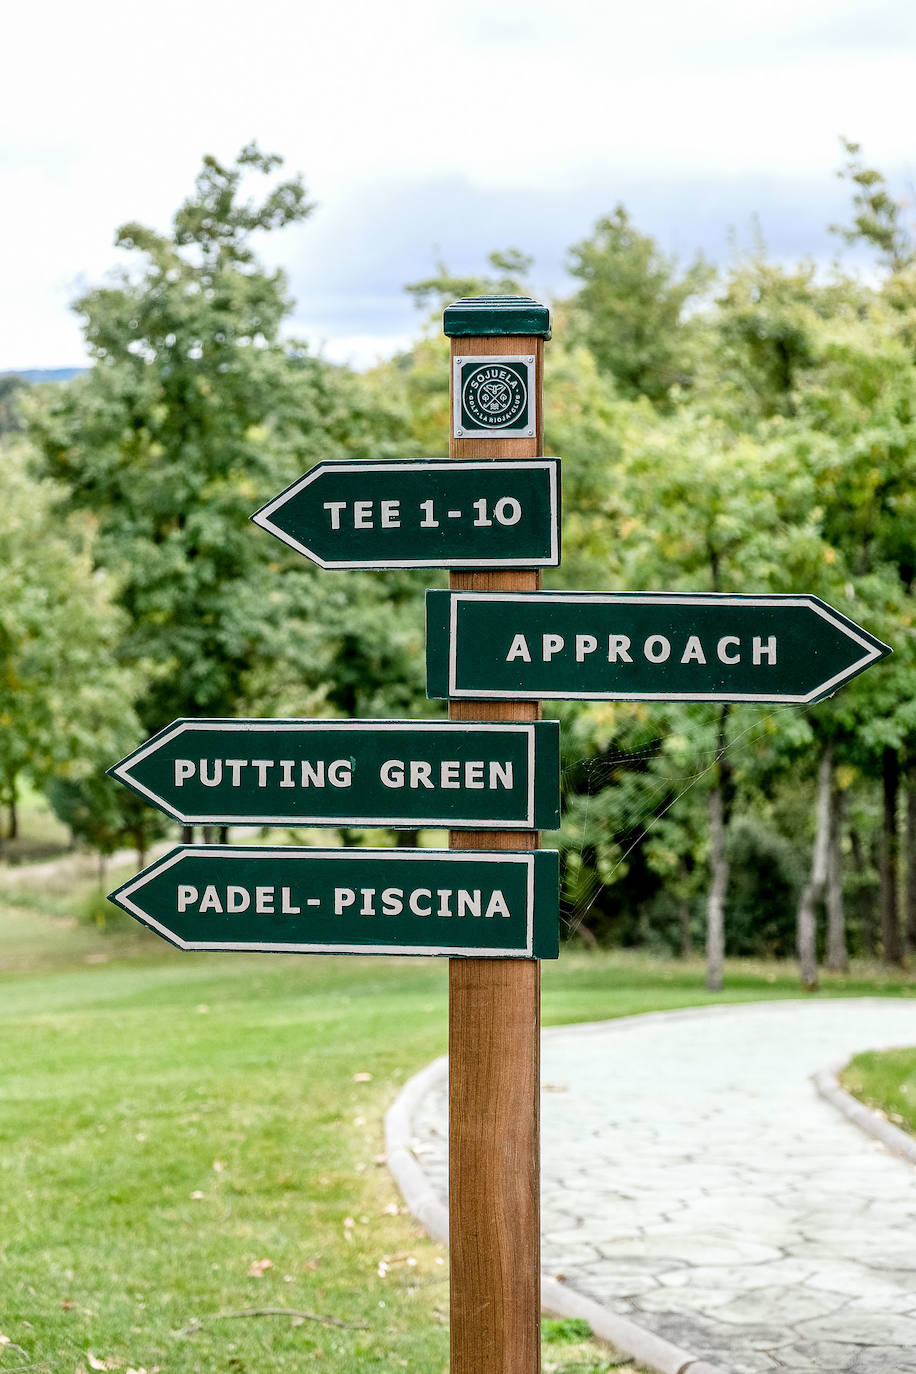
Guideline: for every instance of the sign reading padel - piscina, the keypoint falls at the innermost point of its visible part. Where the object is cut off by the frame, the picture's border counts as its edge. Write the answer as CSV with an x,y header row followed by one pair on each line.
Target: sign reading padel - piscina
x,y
473,904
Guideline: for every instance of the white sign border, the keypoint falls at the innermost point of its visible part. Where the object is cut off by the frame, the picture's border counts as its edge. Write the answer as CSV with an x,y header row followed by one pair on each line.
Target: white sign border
x,y
262,517
122,897
808,601
122,771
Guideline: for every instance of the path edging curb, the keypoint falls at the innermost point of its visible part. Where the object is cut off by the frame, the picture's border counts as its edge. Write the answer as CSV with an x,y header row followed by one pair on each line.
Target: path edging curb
x,y
898,1142
628,1336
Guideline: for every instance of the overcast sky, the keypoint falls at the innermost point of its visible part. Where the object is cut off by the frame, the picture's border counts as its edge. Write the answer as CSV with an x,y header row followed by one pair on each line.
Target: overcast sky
x,y
428,130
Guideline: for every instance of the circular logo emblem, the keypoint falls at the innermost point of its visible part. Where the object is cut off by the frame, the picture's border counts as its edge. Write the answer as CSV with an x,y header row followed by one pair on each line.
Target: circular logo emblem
x,y
494,396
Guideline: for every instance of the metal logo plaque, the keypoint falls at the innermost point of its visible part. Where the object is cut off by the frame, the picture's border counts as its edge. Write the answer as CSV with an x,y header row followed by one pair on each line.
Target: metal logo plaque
x,y
493,397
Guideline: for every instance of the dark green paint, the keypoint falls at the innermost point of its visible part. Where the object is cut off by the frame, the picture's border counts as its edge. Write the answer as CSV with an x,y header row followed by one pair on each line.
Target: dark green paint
x,y
376,515
325,772
477,316
805,650
339,901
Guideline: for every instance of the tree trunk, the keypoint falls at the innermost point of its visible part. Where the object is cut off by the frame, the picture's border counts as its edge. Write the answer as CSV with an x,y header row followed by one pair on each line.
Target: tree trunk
x,y
187,834
890,852
813,890
837,954
715,904
222,834
911,860
12,815
718,806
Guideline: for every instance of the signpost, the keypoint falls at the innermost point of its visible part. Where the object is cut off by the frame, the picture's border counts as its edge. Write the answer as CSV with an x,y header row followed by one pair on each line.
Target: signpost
x,y
494,1006
431,513
496,646
395,773
486,905
640,646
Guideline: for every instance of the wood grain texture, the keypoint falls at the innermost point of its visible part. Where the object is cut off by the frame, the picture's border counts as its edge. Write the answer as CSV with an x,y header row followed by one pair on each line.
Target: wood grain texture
x,y
494,1047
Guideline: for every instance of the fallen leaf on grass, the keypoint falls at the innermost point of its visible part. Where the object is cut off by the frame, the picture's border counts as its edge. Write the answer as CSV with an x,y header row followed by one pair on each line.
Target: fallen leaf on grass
x,y
260,1267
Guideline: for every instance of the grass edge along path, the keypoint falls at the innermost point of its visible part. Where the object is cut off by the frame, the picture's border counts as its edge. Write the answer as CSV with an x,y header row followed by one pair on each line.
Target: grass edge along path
x,y
885,1081
188,1136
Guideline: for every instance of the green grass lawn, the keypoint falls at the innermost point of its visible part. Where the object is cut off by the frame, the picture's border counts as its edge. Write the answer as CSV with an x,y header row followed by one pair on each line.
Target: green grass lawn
x,y
886,1081
185,1138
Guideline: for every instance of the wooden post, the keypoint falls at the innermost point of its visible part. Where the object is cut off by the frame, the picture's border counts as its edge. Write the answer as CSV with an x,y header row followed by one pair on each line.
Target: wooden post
x,y
494,1005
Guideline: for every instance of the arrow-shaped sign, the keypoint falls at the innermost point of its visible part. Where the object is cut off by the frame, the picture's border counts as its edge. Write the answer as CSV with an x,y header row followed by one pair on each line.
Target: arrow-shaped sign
x,y
397,773
471,903
430,513
641,646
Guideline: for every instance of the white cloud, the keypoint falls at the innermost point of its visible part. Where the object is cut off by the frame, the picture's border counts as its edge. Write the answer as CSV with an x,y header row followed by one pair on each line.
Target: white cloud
x,y
108,108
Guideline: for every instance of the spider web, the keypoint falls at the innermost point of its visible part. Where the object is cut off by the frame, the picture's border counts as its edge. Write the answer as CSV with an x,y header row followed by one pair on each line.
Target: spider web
x,y
662,793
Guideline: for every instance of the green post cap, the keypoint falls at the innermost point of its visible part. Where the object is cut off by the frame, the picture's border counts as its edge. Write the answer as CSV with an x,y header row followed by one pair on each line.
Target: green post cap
x,y
476,315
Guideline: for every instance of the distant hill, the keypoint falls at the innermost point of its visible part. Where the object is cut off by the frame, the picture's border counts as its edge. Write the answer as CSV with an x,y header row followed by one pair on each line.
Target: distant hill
x,y
44,374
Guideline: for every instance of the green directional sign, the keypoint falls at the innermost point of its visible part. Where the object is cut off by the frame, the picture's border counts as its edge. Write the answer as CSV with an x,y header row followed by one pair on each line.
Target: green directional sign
x,y
474,903
641,646
429,513
398,773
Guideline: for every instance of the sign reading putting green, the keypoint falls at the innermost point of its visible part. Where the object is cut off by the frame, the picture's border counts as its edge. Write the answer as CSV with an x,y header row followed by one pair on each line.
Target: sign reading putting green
x,y
640,646
398,773
433,513
477,904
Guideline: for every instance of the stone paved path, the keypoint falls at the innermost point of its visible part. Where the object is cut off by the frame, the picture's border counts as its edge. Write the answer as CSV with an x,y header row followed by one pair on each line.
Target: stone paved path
x,y
695,1182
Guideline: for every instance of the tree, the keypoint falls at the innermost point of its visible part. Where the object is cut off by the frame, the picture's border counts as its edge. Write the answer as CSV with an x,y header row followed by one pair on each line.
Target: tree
x,y
12,389
878,218
171,435
66,703
631,309
194,412
508,272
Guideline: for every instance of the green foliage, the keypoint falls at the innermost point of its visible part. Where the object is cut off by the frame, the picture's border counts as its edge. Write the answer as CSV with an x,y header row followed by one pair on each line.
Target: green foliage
x,y
767,872
65,699
878,218
193,414
103,814
507,276
12,389
631,310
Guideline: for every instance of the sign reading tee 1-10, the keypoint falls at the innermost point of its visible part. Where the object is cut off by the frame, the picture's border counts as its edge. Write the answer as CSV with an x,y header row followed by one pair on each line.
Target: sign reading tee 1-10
x,y
641,646
394,773
429,513
466,903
